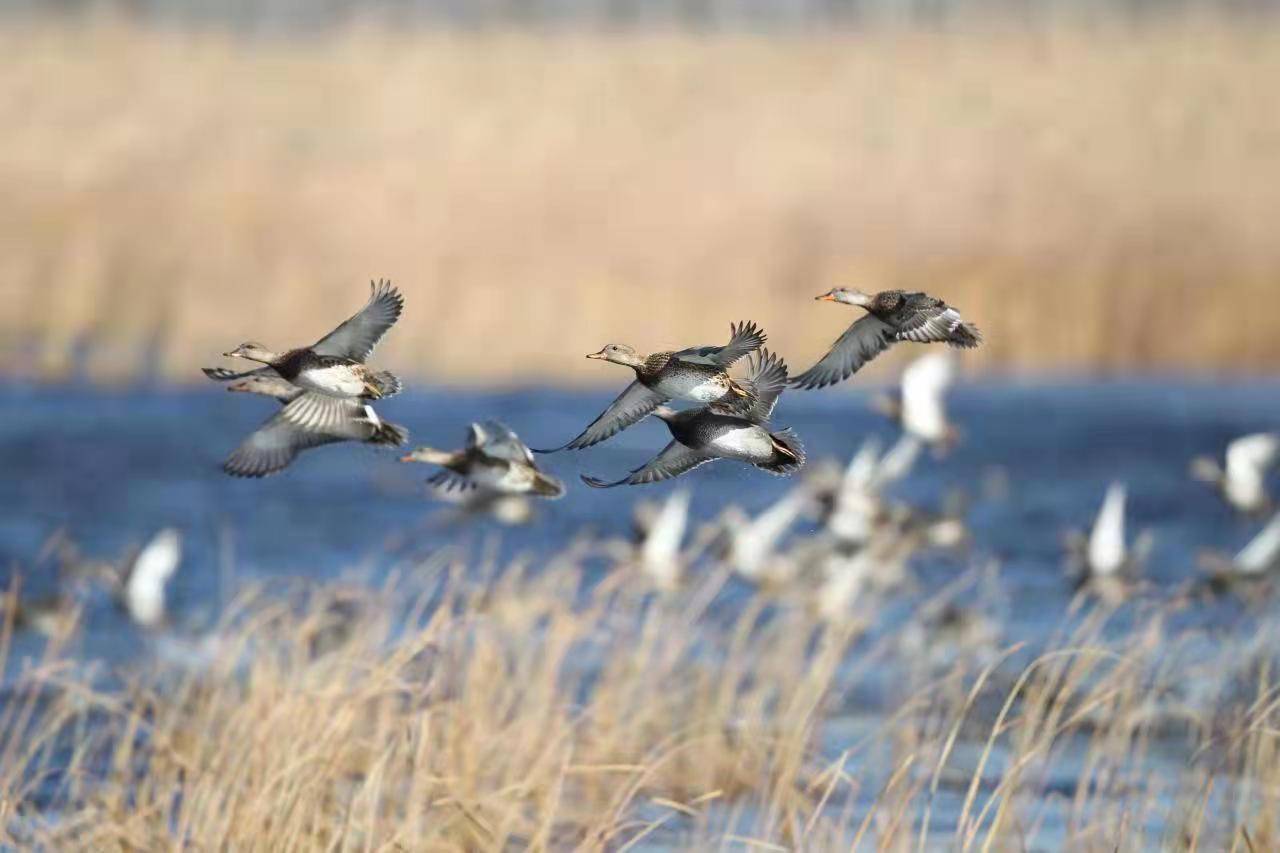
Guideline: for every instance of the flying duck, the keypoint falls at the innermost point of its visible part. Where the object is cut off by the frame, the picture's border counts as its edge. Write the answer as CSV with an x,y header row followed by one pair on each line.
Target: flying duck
x,y
1104,559
892,316
659,553
1257,561
494,459
1243,483
920,408
308,419
718,431
334,365
698,374
751,546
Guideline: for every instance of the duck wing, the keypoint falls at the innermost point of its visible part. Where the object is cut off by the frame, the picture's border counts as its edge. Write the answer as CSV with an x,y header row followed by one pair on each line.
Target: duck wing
x,y
1262,554
147,576
744,338
860,343
766,383
926,320
674,460
222,374
497,440
1106,549
924,384
358,335
1250,457
271,447
634,403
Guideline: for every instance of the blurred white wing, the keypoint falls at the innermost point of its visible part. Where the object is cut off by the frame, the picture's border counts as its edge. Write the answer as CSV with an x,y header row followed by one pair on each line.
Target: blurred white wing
x,y
1263,551
924,386
1106,541
862,467
146,579
755,544
1248,459
898,462
660,553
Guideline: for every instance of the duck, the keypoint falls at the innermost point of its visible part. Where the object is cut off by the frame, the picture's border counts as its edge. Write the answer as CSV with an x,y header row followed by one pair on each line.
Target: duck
x,y
659,553
1103,560
892,316
853,503
138,583
494,459
307,419
1243,482
334,365
920,407
716,431
1257,561
697,374
750,546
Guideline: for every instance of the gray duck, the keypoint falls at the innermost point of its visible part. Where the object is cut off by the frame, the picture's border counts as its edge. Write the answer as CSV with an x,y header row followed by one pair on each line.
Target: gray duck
x,y
494,459
699,374
892,316
308,419
716,431
334,365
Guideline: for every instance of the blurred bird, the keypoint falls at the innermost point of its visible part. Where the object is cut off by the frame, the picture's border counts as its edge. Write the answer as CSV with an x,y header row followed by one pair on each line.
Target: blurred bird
x,y
662,528
494,459
699,374
920,407
854,502
892,316
139,582
1243,482
707,433
273,446
1256,561
1104,558
750,546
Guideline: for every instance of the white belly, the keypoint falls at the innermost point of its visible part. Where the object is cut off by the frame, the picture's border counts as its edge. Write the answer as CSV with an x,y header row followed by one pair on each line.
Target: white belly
x,y
751,443
507,479
337,381
701,389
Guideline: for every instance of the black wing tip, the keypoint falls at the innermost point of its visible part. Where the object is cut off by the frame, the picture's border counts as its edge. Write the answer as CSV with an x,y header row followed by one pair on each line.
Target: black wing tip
x,y
805,382
390,435
218,374
751,329
597,483
965,336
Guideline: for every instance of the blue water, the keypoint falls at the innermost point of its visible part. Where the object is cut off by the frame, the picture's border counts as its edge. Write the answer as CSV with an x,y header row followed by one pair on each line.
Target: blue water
x,y
112,467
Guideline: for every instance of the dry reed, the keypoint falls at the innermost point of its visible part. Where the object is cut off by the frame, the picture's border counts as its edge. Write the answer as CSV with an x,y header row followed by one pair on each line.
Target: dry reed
x,y
1095,197
534,711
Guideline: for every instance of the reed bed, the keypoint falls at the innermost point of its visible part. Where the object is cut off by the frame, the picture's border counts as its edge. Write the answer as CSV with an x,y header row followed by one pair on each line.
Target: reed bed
x,y
1096,197
515,709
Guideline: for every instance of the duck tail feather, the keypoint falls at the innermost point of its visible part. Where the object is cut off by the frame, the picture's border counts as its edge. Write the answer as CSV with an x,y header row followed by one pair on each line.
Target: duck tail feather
x,y
788,453
388,383
547,486
389,435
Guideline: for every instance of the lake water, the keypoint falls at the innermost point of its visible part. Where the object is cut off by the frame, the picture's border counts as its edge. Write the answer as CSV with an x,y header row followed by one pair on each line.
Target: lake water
x,y
112,467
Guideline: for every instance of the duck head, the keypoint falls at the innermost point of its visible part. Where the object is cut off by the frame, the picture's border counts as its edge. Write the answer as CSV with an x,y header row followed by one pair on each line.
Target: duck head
x,y
430,456
619,354
847,295
265,385
254,352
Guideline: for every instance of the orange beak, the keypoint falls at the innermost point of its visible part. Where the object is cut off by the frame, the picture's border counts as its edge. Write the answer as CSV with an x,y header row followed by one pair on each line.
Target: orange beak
x,y
826,297
408,457
596,354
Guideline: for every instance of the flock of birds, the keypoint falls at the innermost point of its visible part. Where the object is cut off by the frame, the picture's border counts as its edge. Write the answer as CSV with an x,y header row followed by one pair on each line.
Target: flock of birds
x,y
326,392
864,540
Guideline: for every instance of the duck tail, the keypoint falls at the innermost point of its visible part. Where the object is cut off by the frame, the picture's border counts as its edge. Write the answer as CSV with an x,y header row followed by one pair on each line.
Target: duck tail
x,y
788,453
544,485
389,435
387,383
965,336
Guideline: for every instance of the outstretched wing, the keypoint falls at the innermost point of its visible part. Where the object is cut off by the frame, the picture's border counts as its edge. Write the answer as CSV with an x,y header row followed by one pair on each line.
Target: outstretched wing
x,y
860,343
356,338
222,374
499,441
271,447
744,338
767,380
674,460
634,403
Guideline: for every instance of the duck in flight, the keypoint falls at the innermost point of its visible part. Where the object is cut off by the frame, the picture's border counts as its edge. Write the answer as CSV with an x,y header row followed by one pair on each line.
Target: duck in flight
x,y
1243,482
494,459
1103,560
307,419
892,316
920,408
718,431
335,364
699,374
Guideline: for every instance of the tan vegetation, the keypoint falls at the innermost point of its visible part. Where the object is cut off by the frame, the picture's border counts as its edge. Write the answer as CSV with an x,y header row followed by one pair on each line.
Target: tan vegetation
x,y
1093,196
511,717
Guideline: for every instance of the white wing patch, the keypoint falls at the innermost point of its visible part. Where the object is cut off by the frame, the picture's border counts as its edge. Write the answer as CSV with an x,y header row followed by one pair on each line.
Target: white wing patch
x,y
144,585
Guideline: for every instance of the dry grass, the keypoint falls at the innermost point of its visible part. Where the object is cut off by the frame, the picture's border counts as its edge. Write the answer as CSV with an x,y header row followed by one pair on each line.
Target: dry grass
x,y
1095,197
533,712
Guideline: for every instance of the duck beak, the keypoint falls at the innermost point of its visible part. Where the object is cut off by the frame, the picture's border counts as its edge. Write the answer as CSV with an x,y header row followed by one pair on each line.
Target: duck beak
x,y
599,355
408,457
829,296
232,354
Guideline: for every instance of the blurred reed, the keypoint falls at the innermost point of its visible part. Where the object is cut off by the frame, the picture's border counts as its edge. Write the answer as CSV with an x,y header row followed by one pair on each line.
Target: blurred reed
x,y
1095,197
536,712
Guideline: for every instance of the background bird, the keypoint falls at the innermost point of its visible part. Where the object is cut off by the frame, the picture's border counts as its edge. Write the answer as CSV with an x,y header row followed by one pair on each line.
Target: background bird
x,y
494,459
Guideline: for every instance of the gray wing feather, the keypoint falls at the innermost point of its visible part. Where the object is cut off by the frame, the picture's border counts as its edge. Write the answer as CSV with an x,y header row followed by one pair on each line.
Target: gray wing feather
x,y
767,381
674,460
270,448
860,343
744,338
497,440
634,403
356,337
